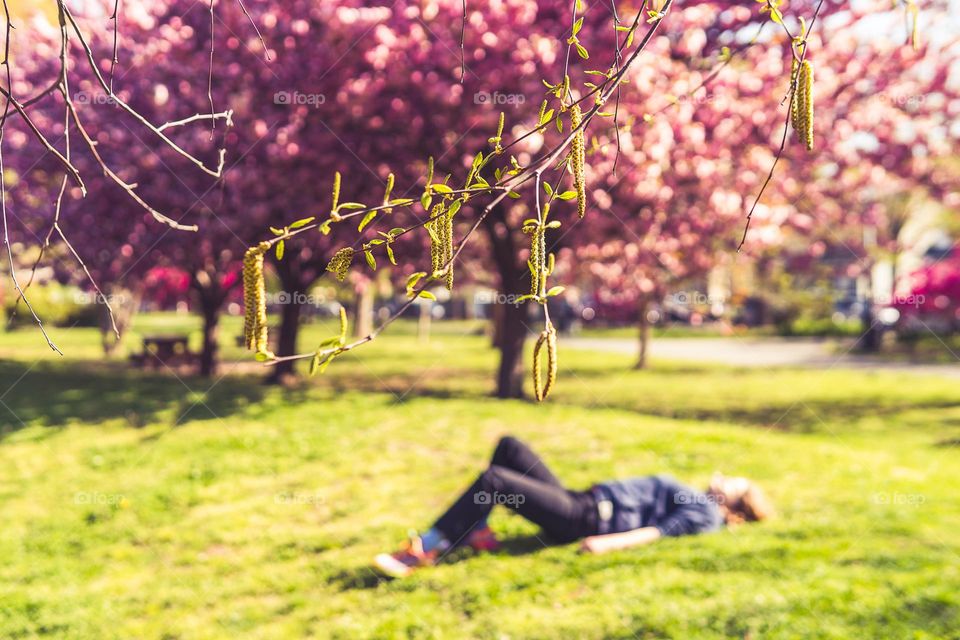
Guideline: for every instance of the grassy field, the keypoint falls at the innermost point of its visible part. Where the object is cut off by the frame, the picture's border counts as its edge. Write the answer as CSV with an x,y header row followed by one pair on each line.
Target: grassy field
x,y
137,505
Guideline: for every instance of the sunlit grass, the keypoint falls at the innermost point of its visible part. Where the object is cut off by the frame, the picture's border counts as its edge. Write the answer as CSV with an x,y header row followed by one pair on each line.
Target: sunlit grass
x,y
136,505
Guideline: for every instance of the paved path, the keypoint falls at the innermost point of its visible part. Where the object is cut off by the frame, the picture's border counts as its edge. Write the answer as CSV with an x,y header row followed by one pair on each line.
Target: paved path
x,y
761,352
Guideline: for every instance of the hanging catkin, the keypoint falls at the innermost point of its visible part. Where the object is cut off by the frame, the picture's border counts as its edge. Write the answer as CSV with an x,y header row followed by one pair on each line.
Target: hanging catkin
x,y
805,115
255,300
548,339
340,263
578,159
804,104
538,250
440,228
795,102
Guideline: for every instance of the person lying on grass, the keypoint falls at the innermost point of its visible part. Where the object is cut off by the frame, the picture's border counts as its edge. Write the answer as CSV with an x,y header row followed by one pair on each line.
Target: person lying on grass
x,y
608,516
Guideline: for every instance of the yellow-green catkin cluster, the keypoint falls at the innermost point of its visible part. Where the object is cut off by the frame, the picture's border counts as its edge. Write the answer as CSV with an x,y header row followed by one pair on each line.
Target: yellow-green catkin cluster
x,y
801,111
255,300
440,228
538,258
340,263
578,160
548,339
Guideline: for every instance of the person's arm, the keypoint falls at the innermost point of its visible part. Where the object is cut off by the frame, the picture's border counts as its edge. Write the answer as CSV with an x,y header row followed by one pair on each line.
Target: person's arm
x,y
615,541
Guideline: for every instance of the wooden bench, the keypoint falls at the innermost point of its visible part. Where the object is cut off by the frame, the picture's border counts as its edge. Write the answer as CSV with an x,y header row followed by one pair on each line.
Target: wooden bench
x,y
164,350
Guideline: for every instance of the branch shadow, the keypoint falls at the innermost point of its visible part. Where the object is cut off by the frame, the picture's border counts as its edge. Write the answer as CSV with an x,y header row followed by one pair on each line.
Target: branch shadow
x,y
56,395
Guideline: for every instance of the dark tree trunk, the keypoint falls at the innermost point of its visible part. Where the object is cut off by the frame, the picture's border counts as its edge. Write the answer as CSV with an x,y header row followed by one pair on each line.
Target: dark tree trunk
x,y
295,284
511,332
287,338
209,296
643,322
211,344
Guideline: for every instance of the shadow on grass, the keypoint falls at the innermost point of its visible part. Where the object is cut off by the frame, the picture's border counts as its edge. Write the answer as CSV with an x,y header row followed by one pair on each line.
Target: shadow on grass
x,y
367,577
592,389
56,395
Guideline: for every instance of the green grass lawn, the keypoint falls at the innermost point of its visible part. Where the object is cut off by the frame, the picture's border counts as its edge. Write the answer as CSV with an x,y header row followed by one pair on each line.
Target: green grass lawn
x,y
136,505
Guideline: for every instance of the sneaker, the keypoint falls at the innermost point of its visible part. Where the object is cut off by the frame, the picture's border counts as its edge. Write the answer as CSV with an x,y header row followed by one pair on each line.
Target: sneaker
x,y
402,563
483,540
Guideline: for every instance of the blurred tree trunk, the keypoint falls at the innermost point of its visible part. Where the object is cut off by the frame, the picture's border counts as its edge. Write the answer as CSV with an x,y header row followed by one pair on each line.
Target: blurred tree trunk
x,y
295,283
643,321
511,330
211,344
363,322
125,303
210,297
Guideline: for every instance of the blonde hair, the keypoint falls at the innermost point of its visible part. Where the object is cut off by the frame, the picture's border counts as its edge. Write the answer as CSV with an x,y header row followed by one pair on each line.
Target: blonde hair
x,y
742,500
752,506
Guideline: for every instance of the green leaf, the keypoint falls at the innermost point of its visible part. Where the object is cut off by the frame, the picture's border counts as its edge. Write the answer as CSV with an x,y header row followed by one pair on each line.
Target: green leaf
x,y
302,222
514,195
396,231
568,195
555,291
276,232
425,200
547,115
402,202
452,211
553,225
548,188
371,261
353,205
367,219
393,260
441,188
582,51
427,295
577,25
324,227
279,250
415,278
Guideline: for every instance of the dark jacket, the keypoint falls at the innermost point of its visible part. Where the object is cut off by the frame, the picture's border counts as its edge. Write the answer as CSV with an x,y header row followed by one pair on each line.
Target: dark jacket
x,y
657,501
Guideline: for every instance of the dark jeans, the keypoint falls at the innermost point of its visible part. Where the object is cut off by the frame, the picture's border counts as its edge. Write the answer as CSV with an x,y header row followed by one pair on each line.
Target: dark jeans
x,y
518,479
